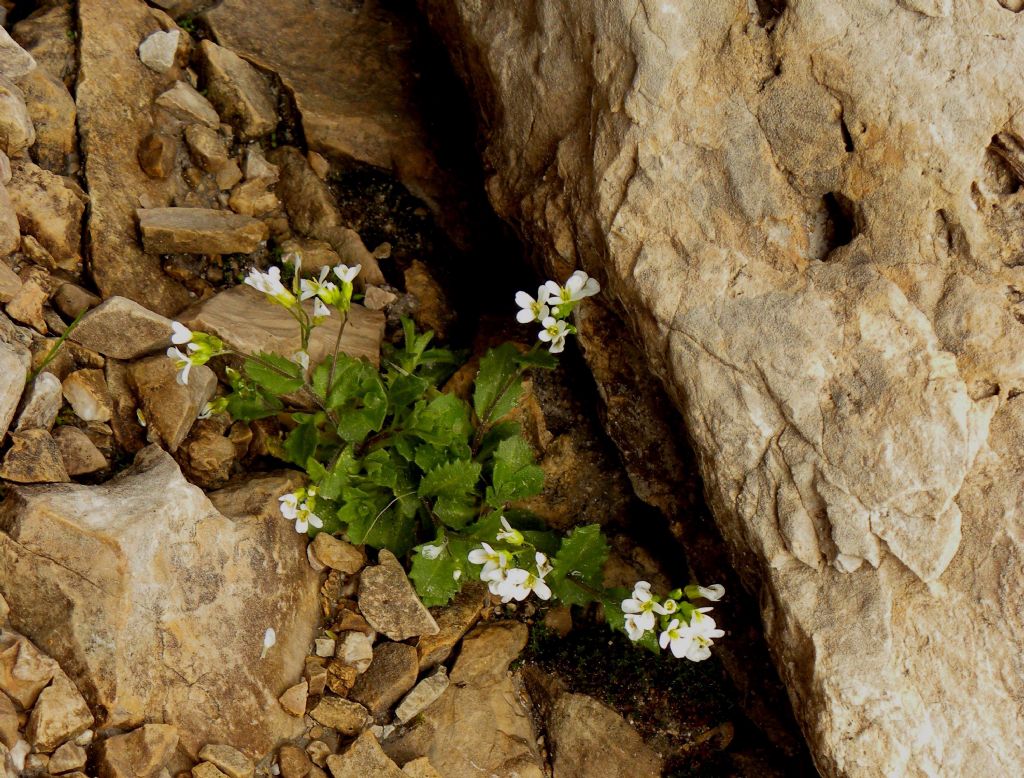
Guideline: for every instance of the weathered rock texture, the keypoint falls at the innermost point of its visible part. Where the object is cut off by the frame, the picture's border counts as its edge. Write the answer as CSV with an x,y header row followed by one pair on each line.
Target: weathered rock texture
x,y
810,212
155,599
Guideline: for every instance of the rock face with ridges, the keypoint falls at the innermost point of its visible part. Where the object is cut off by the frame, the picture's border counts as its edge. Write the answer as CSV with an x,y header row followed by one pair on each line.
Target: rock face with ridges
x,y
199,231
155,599
811,215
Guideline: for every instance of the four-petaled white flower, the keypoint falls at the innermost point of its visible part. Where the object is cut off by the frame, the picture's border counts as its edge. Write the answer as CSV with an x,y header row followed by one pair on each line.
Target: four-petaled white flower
x,y
182,363
347,274
703,631
180,334
676,637
317,287
431,551
518,583
578,286
494,562
508,534
297,507
270,284
637,625
269,639
554,332
533,309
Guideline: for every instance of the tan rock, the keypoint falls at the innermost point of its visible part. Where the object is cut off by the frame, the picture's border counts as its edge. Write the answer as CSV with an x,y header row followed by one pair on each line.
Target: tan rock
x,y
293,761
50,209
308,201
206,770
246,320
27,304
315,254
423,695
207,457
391,674
420,768
123,329
10,283
157,154
60,714
207,147
33,458
121,107
72,300
16,132
251,198
346,717
315,673
257,168
53,114
87,392
169,407
138,754
9,722
78,453
388,601
10,240
238,90
15,62
453,621
488,650
356,650
294,699
318,752
36,764
67,758
184,102
24,670
158,50
364,757
319,164
199,231
341,677
377,299
432,311
228,760
40,403
44,35
104,559
228,176
338,554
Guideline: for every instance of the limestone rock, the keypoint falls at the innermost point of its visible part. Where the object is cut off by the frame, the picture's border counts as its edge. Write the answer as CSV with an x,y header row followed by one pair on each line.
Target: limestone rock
x,y
67,758
53,113
10,240
102,560
24,670
315,254
388,601
423,695
40,404
228,760
420,768
338,554
158,49
14,366
157,154
208,148
60,713
50,209
10,283
114,94
207,770
44,34
432,311
199,231
138,754
293,761
207,456
356,650
245,319
15,62
184,102
123,329
78,452
294,699
87,392
363,758
72,300
348,718
251,198
171,408
9,723
808,288
239,91
391,674
16,131
27,304
33,458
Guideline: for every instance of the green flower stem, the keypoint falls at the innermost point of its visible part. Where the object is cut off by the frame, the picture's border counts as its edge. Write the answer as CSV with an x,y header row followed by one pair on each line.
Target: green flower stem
x,y
52,353
337,348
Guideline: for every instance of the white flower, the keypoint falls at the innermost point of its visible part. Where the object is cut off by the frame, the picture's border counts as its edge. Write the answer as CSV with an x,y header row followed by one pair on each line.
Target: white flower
x,y
494,562
432,551
347,274
533,309
512,536
270,284
554,332
181,334
316,287
702,632
301,358
182,363
456,575
518,583
543,567
637,625
643,603
578,286
677,637
206,412
297,507
715,592
269,639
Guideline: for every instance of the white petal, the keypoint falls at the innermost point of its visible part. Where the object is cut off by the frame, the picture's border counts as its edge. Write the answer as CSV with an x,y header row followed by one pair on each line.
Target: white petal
x,y
315,520
553,289
715,592
182,334
523,300
542,590
525,316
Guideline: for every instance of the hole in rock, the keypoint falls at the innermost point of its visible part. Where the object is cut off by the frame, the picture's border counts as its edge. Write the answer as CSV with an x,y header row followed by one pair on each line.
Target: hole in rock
x,y
840,225
845,131
1003,164
768,12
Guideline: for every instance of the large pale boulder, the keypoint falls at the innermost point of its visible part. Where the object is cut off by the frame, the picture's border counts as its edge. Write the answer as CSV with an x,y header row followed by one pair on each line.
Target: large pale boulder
x,y
810,213
155,599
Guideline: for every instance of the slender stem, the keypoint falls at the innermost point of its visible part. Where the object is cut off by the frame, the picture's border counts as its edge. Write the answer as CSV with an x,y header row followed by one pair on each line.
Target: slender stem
x,y
56,347
337,348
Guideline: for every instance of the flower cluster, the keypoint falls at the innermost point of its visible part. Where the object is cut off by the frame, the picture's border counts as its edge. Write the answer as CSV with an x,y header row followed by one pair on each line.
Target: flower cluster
x,y
504,580
685,630
200,348
325,294
298,506
553,305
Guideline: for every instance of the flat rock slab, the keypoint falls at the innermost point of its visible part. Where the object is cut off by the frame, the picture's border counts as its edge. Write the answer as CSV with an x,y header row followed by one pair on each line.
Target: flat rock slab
x,y
199,231
156,598
389,603
122,329
248,321
115,94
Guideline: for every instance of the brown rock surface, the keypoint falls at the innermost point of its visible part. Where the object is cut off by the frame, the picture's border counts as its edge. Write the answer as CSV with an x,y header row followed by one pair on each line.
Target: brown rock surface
x,y
388,601
24,670
237,89
123,329
60,713
16,131
189,585
453,621
338,554
86,391
363,758
50,209
115,92
77,451
199,231
185,103
138,754
170,408
33,458
157,154
228,760
348,718
391,674
10,239
44,34
15,62
52,110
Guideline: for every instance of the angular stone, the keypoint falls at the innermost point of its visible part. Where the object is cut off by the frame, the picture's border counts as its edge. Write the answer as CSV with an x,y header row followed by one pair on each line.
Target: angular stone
x,y
228,176
16,131
294,699
388,601
87,392
138,754
157,154
420,768
251,198
44,34
238,90
246,320
338,554
318,752
293,761
391,674
356,650
78,452
423,695
24,670
50,210
10,240
206,770
363,758
377,299
52,110
9,722
341,677
315,254
432,311
308,200
40,404
184,102
487,651
72,300
33,458
258,169
169,407
347,718
228,760
158,49
60,714
104,559
120,106
208,148
67,758
315,673
123,329
15,62
199,231
207,456
27,304
14,367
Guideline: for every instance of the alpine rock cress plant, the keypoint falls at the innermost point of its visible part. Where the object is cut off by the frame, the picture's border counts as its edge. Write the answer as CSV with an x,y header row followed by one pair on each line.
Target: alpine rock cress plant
x,y
396,463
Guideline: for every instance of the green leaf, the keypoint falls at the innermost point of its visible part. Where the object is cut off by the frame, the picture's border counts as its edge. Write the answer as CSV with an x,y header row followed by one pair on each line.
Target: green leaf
x,y
404,390
302,441
358,396
247,404
274,373
496,434
580,559
372,518
498,387
456,511
339,476
453,479
439,579
515,475
442,421
544,360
